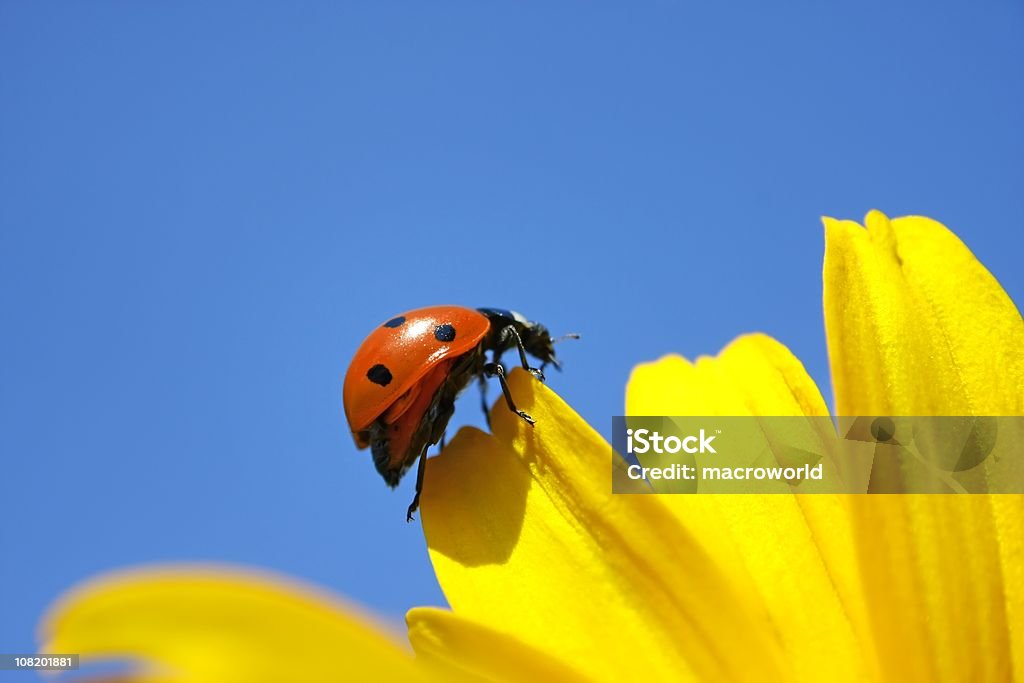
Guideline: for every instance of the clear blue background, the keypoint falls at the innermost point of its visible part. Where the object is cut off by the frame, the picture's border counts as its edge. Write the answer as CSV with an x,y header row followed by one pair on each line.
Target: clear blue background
x,y
205,208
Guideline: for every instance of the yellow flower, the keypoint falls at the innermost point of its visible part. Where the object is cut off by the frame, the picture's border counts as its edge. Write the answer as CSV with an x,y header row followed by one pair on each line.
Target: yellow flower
x,y
550,577
196,623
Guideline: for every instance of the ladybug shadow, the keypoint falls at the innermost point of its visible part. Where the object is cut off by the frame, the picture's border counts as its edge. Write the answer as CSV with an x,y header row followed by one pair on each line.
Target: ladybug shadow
x,y
476,490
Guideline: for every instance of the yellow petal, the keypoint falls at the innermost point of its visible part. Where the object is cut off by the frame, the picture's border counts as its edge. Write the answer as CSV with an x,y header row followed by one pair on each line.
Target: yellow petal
x,y
218,624
933,569
795,551
916,325
527,540
456,643
1008,520
754,375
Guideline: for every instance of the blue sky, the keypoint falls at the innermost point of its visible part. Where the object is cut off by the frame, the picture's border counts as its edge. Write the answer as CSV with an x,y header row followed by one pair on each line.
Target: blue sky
x,y
206,206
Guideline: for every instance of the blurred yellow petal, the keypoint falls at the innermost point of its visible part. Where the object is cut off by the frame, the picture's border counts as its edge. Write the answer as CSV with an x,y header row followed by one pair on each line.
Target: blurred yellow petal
x,y
796,551
527,540
217,624
133,677
916,325
453,642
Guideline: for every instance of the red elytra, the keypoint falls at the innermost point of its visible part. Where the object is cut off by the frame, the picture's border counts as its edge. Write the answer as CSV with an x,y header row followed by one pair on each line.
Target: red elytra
x,y
403,350
401,385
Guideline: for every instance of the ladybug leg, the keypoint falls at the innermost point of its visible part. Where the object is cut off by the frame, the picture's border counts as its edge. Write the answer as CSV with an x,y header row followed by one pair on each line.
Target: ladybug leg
x,y
419,487
536,372
495,370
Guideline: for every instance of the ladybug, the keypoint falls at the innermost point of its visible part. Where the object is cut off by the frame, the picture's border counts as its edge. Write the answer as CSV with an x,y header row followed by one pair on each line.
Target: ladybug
x,y
400,387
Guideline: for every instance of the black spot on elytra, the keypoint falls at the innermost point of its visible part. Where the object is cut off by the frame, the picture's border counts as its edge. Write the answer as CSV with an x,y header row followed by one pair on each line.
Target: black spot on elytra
x,y
395,322
444,333
379,374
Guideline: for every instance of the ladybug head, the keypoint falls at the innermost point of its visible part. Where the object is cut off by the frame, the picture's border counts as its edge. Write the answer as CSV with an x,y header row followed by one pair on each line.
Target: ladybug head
x,y
536,339
540,344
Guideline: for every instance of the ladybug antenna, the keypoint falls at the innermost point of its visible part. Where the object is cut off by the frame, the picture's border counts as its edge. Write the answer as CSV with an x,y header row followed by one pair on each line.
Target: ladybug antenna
x,y
554,361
